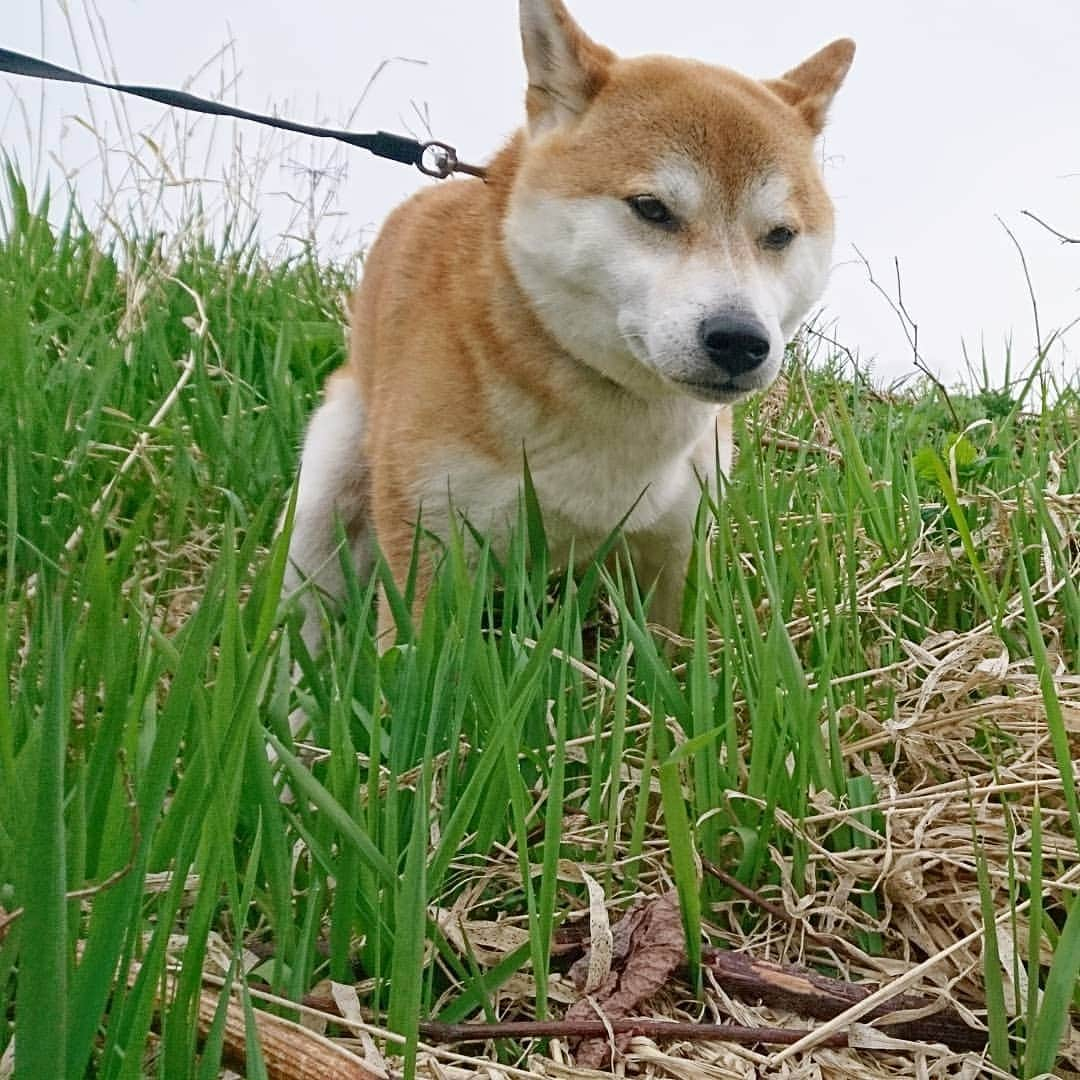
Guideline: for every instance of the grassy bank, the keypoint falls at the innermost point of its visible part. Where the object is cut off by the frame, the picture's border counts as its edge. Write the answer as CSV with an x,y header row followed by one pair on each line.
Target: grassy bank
x,y
873,722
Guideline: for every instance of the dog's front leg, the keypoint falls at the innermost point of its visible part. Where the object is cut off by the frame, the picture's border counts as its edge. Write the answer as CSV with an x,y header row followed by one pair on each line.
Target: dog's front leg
x,y
661,558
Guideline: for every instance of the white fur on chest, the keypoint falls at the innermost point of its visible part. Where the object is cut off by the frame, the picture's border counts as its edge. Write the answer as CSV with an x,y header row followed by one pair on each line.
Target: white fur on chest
x,y
606,458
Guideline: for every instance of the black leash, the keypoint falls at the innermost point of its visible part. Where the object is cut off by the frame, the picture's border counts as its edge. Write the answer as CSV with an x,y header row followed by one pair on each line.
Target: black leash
x,y
432,158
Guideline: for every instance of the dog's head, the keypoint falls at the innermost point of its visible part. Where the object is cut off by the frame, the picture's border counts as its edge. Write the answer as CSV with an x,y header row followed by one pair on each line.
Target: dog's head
x,y
668,220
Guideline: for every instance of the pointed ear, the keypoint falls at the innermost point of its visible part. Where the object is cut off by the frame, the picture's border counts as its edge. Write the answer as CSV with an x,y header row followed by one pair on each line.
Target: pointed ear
x,y
810,87
566,69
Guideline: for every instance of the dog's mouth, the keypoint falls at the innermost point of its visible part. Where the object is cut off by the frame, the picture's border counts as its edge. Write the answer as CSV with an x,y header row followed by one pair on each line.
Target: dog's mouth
x,y
721,392
715,391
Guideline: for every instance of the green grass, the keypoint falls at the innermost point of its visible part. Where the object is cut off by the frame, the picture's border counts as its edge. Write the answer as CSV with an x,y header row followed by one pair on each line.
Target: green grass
x,y
863,543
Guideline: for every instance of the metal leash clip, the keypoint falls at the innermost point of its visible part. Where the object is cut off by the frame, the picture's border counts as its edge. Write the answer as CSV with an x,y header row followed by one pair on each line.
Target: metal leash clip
x,y
440,160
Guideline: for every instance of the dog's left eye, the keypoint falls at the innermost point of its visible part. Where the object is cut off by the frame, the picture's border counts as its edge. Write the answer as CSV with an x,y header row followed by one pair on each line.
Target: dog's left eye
x,y
650,208
779,238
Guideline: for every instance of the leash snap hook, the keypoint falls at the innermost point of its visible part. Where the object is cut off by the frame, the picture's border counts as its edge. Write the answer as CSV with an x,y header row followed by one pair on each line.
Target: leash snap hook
x,y
437,159
440,160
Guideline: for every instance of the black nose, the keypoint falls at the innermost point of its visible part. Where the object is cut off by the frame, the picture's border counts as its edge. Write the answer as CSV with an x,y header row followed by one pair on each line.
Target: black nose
x,y
735,343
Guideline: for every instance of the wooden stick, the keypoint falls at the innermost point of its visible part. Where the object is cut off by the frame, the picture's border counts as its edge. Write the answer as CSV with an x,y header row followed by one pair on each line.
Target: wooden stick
x,y
289,1051
807,993
592,1029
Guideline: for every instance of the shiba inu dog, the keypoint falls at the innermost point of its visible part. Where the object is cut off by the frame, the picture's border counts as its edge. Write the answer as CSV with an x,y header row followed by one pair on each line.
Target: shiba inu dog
x,y
633,263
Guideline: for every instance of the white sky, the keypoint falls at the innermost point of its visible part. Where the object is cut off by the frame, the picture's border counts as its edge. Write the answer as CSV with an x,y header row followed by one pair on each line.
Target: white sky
x,y
955,111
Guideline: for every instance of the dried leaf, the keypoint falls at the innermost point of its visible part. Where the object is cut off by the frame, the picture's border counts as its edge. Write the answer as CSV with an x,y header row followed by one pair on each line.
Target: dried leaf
x,y
647,948
489,942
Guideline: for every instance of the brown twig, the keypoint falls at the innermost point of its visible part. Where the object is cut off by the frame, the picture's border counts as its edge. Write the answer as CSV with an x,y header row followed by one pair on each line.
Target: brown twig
x,y
856,371
826,941
755,898
1030,286
592,1029
911,331
807,993
1050,228
775,910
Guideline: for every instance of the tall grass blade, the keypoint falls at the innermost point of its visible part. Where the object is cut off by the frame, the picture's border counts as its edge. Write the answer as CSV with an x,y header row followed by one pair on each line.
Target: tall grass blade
x,y
41,1002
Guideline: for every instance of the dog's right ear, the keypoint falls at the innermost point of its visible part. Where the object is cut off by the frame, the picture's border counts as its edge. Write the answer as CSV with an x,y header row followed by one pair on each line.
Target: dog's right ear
x,y
810,87
566,68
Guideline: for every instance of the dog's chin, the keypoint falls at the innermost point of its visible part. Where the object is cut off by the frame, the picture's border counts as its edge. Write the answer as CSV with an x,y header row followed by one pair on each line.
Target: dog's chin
x,y
700,384
716,392
705,383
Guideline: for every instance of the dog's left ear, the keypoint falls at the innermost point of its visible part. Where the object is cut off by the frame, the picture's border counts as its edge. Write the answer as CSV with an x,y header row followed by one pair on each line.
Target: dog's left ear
x,y
810,87
566,68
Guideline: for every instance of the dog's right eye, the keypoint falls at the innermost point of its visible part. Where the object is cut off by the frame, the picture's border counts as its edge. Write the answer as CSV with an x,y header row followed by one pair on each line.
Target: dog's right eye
x,y
649,208
778,239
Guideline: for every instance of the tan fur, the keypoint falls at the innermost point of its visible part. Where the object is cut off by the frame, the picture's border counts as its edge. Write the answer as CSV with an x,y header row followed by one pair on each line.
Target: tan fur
x,y
449,352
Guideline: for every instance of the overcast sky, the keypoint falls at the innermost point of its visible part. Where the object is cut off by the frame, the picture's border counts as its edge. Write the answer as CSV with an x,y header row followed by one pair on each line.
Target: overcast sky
x,y
955,111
